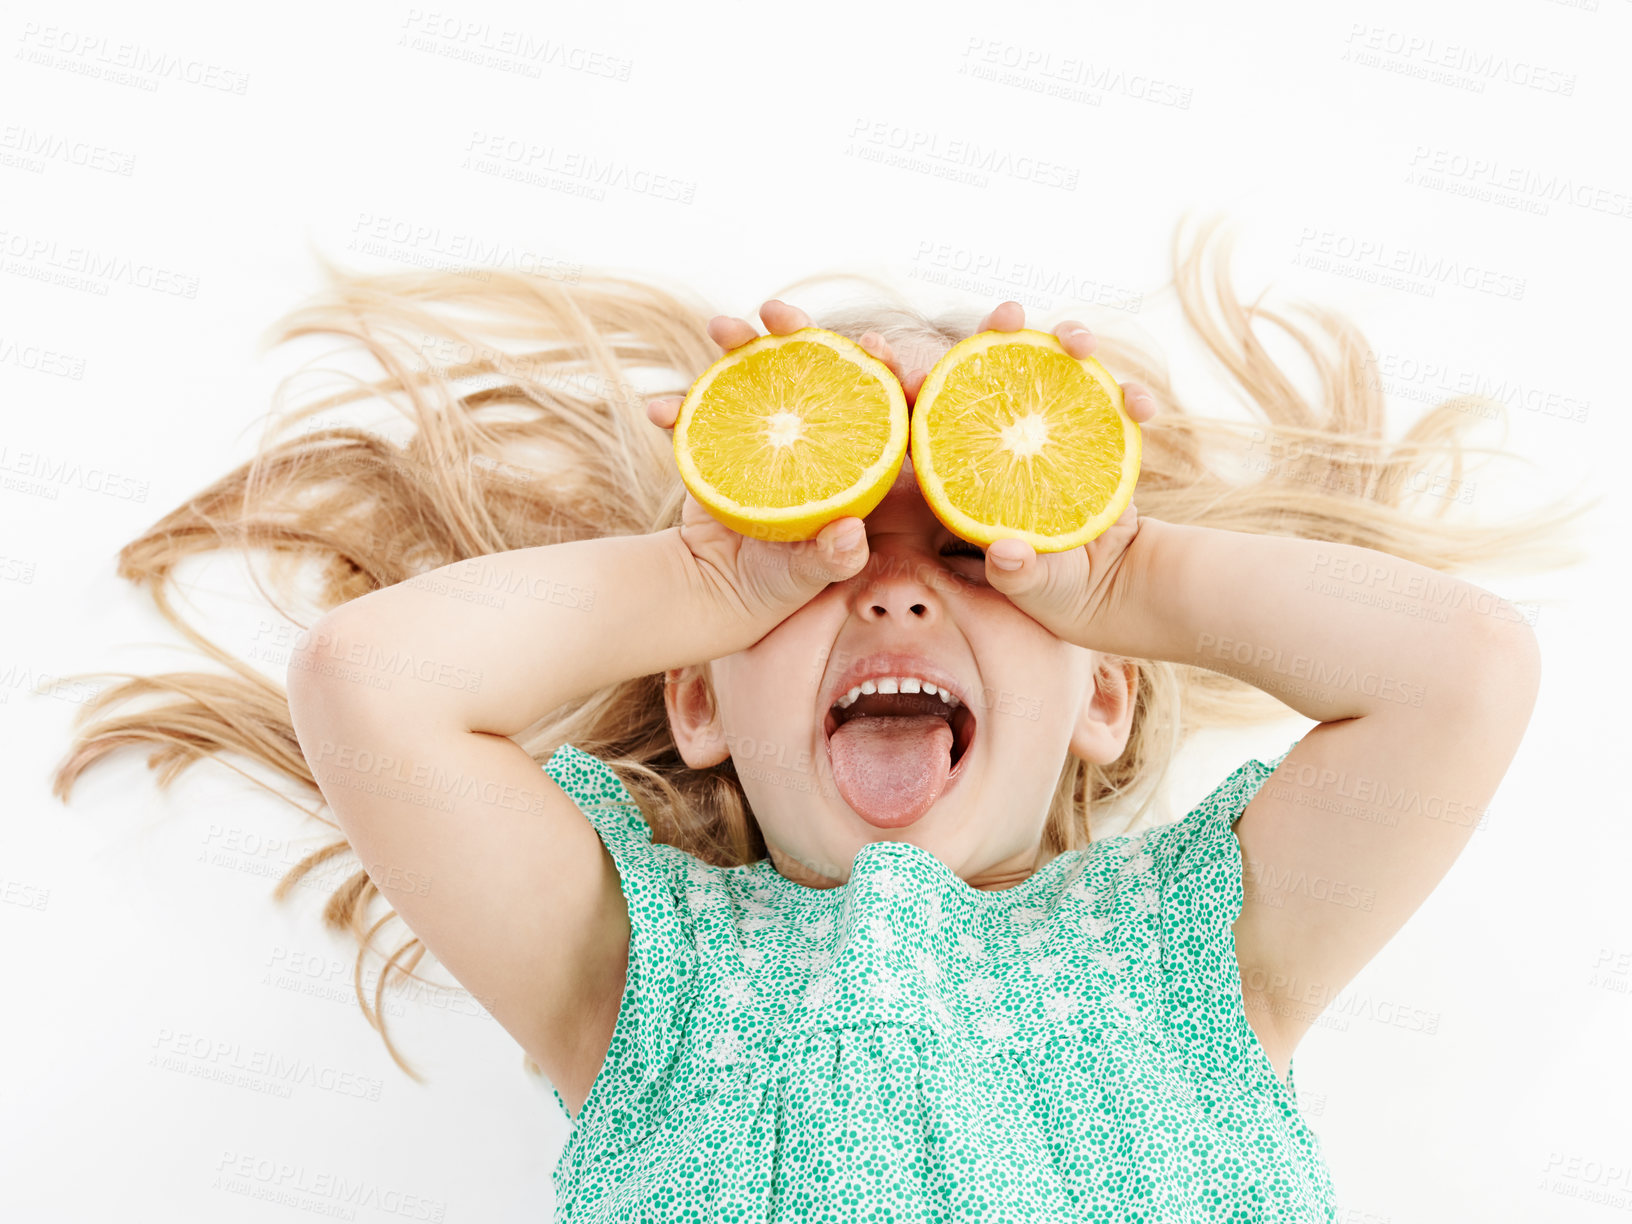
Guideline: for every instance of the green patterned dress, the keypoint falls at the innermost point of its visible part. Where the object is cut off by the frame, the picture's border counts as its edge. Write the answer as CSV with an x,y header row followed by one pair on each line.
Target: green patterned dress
x,y
909,1048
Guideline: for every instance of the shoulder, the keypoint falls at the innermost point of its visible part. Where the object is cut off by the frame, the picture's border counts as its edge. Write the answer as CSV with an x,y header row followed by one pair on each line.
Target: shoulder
x,y
631,1069
1205,836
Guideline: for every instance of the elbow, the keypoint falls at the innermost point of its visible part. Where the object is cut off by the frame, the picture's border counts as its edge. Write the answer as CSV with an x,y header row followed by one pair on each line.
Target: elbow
x,y
327,692
1499,673
318,668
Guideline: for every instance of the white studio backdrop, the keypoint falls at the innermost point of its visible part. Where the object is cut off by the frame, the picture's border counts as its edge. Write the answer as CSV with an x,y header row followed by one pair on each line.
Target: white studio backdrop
x,y
1455,179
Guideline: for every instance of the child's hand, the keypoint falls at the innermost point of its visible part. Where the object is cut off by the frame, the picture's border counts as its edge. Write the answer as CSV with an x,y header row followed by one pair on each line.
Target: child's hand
x,y
1064,591
767,581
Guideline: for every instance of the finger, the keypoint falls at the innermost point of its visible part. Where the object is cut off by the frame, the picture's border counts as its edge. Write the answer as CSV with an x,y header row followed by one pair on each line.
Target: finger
x,y
912,384
1006,316
1076,338
665,410
1138,401
880,348
781,318
910,380
730,332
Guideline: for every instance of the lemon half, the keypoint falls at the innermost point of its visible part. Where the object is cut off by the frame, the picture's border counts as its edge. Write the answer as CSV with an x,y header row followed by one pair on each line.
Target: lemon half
x,y
1013,436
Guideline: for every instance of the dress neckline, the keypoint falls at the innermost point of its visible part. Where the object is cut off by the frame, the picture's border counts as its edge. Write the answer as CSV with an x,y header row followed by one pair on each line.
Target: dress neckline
x,y
765,870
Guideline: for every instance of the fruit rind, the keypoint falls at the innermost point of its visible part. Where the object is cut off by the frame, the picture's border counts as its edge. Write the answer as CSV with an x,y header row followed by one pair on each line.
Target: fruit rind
x,y
931,484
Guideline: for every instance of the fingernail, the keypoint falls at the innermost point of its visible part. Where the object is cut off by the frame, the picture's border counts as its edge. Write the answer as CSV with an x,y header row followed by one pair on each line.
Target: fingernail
x,y
1005,558
847,539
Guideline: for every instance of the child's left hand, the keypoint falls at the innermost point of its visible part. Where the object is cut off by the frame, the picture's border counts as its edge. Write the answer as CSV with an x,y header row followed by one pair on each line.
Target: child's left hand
x,y
1061,591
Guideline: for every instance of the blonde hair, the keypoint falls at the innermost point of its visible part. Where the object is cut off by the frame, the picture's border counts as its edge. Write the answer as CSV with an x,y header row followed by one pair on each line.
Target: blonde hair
x,y
526,427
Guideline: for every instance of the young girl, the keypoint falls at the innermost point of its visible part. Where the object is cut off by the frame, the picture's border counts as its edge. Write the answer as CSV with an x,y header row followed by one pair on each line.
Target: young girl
x,y
776,970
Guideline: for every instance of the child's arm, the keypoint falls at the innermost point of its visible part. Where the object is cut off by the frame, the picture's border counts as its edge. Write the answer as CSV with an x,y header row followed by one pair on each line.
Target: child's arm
x,y
402,700
1423,685
496,642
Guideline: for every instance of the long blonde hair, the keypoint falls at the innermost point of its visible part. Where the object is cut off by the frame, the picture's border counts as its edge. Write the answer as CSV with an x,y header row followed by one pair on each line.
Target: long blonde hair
x,y
521,424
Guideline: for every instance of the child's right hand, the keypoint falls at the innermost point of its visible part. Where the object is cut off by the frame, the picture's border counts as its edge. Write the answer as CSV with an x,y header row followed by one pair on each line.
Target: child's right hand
x,y
764,580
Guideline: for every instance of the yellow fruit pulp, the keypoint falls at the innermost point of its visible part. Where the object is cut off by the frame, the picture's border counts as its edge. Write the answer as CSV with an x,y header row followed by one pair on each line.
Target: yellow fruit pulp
x,y
787,433
1013,436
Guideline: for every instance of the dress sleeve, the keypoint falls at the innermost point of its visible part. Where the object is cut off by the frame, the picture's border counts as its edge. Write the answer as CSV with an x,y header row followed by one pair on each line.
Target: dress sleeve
x,y
1198,861
628,1092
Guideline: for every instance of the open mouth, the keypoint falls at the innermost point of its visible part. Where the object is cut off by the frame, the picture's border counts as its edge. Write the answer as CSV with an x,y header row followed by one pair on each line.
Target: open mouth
x,y
895,705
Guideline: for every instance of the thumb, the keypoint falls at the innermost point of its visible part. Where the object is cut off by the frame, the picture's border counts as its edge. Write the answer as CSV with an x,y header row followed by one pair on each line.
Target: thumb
x,y
1012,568
1050,588
838,551
842,544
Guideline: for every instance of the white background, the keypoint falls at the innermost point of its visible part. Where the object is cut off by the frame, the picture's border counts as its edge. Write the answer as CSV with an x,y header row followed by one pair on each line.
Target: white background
x,y
768,130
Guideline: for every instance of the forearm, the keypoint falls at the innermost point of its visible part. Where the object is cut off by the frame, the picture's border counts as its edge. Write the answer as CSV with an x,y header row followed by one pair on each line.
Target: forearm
x,y
494,643
1333,630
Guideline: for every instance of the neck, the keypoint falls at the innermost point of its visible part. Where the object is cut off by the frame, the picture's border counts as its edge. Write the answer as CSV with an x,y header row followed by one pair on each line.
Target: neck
x,y
1006,874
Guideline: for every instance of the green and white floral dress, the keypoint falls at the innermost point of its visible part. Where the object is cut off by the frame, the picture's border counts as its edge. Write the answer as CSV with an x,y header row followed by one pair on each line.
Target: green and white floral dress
x,y
907,1047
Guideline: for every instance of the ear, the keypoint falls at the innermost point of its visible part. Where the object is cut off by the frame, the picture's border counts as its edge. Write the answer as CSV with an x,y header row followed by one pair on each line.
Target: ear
x,y
693,717
1106,717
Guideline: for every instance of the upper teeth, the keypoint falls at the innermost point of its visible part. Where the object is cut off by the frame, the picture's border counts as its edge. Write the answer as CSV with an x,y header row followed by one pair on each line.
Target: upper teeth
x,y
896,684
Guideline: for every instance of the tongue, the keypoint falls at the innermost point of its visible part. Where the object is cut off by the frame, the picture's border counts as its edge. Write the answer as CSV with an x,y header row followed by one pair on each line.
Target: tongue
x,y
891,768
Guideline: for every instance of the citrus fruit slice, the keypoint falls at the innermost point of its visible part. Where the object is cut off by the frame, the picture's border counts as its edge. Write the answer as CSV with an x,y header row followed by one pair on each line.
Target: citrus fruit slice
x,y
785,434
1013,436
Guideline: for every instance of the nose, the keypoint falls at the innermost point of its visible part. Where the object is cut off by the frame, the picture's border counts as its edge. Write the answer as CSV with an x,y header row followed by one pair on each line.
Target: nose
x,y
899,583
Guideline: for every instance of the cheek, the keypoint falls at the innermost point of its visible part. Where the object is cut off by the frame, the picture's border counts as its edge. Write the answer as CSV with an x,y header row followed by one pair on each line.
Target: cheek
x,y
790,662
774,682
1029,676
